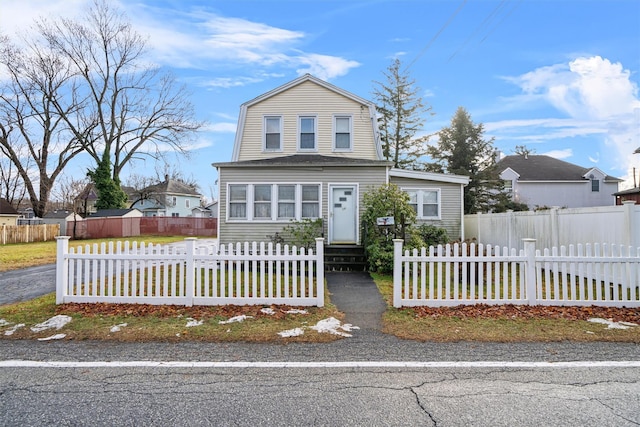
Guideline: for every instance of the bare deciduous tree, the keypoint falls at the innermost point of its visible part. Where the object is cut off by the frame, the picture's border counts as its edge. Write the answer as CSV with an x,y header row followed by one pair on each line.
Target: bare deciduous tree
x,y
130,108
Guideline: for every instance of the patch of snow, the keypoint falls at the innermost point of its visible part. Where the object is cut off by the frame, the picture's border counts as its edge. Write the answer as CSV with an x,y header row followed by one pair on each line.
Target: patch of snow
x,y
191,322
117,328
331,325
296,332
15,328
268,310
296,311
235,319
56,322
4,322
611,324
53,337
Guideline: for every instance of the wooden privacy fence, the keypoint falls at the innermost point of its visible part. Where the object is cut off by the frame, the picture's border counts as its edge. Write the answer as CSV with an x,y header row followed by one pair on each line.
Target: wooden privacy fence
x,y
28,233
606,275
240,274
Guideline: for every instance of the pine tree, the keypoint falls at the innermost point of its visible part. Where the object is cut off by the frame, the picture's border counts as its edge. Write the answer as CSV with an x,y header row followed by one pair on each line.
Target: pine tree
x,y
110,194
401,110
462,150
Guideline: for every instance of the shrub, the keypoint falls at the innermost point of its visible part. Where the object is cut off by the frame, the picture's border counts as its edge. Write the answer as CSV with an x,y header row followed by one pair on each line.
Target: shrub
x,y
303,233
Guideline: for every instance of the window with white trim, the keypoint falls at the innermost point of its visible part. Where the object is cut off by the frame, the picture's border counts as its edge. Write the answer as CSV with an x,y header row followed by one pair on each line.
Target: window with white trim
x,y
425,202
342,133
238,201
307,133
273,202
595,184
272,133
262,201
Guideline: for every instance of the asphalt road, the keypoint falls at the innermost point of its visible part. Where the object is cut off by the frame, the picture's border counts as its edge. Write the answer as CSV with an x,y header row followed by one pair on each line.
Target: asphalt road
x,y
27,283
346,383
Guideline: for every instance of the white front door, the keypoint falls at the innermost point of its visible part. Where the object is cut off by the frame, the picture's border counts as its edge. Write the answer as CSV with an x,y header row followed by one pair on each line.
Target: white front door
x,y
344,214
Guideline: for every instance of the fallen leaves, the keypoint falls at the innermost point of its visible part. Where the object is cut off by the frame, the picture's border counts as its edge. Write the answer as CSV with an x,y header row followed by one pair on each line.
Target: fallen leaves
x,y
511,311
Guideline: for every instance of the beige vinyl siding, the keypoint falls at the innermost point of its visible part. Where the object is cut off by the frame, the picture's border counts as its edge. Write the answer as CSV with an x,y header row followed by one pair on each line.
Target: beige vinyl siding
x,y
308,99
366,178
450,200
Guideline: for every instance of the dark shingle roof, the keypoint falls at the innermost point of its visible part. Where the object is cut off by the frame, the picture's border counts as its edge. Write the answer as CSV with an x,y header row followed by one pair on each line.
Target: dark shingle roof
x,y
58,214
545,168
171,186
6,208
306,160
111,212
627,192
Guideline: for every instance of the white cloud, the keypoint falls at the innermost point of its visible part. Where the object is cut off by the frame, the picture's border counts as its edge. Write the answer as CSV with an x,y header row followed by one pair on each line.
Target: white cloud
x,y
221,127
559,154
597,96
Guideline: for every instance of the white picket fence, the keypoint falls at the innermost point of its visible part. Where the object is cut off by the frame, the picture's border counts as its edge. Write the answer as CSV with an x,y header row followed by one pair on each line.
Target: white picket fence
x,y
465,274
240,274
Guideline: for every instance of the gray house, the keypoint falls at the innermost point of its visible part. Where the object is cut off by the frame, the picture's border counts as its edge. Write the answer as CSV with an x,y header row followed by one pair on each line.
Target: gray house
x,y
167,198
544,181
309,150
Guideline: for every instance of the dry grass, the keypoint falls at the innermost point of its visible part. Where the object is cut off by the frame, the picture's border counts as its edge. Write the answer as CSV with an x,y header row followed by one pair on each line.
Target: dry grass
x,y
21,255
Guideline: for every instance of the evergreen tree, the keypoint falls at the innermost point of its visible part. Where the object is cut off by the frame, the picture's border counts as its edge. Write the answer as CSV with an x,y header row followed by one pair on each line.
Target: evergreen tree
x,y
401,110
463,150
110,194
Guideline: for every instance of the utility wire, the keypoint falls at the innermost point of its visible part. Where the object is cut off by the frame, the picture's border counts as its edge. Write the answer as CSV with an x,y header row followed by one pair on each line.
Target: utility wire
x,y
433,39
501,21
478,28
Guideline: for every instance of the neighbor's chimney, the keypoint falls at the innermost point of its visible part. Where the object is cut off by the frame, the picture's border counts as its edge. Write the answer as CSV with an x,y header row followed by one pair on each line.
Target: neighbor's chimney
x,y
166,178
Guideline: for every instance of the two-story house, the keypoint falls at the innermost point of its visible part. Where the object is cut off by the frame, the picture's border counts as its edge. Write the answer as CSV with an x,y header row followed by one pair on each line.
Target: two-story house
x,y
167,198
544,181
309,149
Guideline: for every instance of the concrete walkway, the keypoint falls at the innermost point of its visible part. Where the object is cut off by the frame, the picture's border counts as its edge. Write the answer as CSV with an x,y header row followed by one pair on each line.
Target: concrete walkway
x,y
355,294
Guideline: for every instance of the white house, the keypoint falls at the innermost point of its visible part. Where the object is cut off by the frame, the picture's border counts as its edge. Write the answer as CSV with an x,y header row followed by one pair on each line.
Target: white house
x,y
543,181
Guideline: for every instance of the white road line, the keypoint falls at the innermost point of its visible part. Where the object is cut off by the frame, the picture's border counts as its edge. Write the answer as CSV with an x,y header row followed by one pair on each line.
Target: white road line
x,y
354,364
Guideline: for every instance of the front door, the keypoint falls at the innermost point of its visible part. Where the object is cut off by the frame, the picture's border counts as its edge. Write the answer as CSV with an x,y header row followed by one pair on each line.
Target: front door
x,y
344,215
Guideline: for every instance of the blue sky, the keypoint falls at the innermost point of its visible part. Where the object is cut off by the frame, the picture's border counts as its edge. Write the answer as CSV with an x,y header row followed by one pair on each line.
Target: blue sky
x,y
560,77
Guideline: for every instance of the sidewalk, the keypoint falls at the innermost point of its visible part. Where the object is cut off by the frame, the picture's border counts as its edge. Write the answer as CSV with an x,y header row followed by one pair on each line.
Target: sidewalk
x,y
355,294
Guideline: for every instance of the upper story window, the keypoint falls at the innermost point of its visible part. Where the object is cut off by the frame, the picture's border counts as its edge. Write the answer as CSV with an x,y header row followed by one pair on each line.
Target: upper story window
x,y
508,185
342,133
273,133
426,202
307,134
174,200
595,184
187,203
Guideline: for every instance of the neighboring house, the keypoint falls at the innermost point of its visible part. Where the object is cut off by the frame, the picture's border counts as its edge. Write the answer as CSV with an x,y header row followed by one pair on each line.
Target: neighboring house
x,y
168,198
86,200
8,215
61,217
309,150
632,194
543,181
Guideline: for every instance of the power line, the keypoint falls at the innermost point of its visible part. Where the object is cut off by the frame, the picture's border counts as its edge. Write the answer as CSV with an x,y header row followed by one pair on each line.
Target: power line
x,y
478,28
446,24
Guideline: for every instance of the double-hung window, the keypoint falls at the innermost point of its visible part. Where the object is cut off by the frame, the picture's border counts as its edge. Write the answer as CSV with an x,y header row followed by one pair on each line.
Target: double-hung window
x,y
342,133
238,201
272,133
262,201
286,201
595,184
307,133
310,201
425,202
273,202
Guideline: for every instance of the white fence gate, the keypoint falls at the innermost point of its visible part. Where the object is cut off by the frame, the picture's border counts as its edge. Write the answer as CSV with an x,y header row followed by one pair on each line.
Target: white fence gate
x,y
239,274
605,275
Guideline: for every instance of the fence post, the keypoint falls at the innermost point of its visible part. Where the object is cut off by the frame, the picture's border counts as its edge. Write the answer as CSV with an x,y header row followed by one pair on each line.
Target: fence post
x,y
62,267
530,269
320,270
190,280
397,272
630,224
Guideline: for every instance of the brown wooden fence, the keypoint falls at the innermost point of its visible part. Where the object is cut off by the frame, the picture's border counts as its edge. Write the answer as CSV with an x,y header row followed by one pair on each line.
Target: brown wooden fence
x,y
28,233
97,228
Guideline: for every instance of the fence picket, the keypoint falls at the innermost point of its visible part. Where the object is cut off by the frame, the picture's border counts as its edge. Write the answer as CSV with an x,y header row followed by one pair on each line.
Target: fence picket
x,y
556,276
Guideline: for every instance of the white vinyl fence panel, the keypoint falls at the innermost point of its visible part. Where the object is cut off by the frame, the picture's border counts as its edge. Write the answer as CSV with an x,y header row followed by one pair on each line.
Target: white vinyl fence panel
x,y
240,274
462,274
